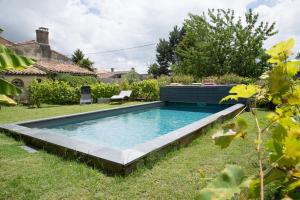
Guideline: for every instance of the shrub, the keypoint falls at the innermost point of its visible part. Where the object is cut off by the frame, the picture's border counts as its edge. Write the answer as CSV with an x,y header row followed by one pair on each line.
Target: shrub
x,y
76,81
183,79
52,92
232,79
36,93
124,85
104,90
132,76
62,93
147,89
163,80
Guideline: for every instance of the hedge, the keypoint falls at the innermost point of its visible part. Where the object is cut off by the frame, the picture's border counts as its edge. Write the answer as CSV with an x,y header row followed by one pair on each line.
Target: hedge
x,y
60,92
104,90
147,89
53,92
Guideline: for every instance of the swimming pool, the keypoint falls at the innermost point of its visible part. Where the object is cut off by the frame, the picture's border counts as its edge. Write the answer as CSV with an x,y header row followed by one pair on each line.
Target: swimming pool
x,y
118,139
124,131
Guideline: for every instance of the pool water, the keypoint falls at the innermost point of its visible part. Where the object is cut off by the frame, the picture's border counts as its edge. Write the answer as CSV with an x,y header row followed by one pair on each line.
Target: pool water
x,y
124,131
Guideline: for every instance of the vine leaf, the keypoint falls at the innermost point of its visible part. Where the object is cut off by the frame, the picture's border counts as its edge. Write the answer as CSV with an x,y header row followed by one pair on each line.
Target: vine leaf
x,y
229,183
292,67
10,60
8,89
271,176
292,147
4,100
280,51
241,91
293,97
229,132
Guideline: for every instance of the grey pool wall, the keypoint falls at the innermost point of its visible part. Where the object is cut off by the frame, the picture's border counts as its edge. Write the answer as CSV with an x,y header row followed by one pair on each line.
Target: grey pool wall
x,y
194,94
109,159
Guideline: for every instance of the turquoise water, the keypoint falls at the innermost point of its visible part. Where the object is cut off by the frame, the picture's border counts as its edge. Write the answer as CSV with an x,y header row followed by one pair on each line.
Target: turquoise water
x,y
127,130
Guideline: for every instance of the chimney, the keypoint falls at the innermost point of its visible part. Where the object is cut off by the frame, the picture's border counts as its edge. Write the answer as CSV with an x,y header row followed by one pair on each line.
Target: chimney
x,y
42,35
112,69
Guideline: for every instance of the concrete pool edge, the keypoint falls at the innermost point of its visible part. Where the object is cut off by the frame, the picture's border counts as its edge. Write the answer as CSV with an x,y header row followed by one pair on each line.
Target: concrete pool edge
x,y
110,159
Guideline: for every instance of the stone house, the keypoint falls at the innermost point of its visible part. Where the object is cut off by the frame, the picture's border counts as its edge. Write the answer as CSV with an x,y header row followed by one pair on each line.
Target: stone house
x,y
48,61
113,76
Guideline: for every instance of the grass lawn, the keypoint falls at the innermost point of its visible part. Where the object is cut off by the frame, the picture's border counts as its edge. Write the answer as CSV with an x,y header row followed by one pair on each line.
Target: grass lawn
x,y
175,176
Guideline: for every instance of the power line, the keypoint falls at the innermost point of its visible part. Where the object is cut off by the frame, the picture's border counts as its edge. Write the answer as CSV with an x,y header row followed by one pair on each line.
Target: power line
x,y
123,49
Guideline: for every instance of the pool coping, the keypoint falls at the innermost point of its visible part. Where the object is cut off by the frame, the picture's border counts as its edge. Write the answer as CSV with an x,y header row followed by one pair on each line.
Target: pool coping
x,y
105,157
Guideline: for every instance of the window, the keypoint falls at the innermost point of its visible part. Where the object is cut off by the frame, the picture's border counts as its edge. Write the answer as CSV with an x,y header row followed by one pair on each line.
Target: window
x,y
18,82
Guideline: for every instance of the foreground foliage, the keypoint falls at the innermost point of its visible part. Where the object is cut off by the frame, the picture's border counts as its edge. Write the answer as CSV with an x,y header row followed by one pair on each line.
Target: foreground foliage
x,y
9,60
283,149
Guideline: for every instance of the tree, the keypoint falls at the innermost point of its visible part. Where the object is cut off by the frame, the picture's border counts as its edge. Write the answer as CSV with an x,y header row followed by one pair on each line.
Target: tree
x,y
79,59
163,56
132,76
154,70
217,43
175,37
166,55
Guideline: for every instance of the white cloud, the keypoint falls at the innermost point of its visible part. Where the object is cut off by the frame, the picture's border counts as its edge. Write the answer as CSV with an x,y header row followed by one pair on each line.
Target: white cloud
x,y
100,25
285,13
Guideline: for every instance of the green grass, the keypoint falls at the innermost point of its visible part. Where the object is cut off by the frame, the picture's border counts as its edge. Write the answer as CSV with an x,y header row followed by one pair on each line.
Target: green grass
x,y
174,176
21,113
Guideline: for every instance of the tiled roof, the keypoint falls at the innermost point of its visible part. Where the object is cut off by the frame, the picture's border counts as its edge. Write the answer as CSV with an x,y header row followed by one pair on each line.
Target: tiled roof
x,y
28,71
110,74
105,75
60,54
23,43
5,41
58,67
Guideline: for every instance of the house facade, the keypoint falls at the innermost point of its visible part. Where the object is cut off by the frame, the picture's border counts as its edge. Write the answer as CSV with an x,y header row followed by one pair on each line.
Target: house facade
x,y
48,61
113,76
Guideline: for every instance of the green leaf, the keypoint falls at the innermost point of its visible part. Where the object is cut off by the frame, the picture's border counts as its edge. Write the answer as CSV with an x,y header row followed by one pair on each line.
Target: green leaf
x,y
292,67
241,91
224,137
292,147
281,51
7,88
273,175
4,100
226,185
10,60
293,97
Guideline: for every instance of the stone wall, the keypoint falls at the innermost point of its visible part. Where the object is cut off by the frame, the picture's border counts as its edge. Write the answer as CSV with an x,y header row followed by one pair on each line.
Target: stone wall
x,y
27,79
33,50
59,57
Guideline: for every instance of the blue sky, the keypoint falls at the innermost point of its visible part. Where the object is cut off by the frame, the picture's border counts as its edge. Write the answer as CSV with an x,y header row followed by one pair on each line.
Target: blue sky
x,y
257,3
103,25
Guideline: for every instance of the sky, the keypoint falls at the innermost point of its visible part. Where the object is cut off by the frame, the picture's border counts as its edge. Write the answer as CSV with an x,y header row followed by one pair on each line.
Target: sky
x,y
96,26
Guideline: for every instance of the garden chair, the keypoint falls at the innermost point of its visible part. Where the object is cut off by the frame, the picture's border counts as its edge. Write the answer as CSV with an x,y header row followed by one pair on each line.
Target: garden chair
x,y
125,94
86,96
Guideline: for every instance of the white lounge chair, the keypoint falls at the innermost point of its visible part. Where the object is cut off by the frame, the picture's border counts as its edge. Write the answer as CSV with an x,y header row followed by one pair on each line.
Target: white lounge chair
x,y
122,96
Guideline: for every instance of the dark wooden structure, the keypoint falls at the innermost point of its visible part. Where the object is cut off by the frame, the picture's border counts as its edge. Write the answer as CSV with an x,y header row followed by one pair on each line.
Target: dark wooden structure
x,y
196,94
